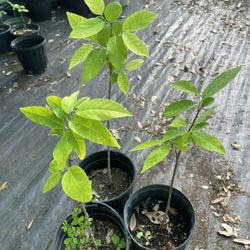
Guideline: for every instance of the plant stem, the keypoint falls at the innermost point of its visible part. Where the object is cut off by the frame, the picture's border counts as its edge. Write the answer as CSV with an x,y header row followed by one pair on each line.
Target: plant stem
x,y
86,215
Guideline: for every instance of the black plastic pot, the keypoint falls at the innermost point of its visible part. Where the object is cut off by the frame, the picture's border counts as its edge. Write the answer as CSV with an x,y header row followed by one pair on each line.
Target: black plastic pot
x,y
160,192
13,21
34,30
75,6
4,38
31,51
39,10
99,161
14,13
96,211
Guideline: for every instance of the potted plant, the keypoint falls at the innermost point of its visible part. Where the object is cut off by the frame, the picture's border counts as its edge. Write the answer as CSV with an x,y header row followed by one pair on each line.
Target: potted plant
x,y
39,11
158,216
108,43
64,118
4,34
24,28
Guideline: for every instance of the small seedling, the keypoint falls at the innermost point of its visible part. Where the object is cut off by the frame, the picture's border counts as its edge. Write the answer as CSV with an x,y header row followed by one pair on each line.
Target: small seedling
x,y
147,236
180,133
118,242
20,9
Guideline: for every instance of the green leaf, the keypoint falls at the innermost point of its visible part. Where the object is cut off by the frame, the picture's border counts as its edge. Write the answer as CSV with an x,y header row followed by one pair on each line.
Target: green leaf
x,y
144,145
51,182
93,64
113,11
103,36
220,82
204,115
54,167
94,131
181,146
117,52
80,55
186,86
55,104
76,185
74,19
62,150
87,28
56,132
42,116
77,143
156,156
207,142
172,133
178,107
200,126
138,21
96,6
135,44
123,82
116,28
102,109
207,101
134,65
178,122
69,102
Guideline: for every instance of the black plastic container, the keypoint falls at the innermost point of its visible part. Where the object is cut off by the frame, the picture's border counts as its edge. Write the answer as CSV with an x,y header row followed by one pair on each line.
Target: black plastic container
x,y
160,192
75,6
39,10
17,21
99,161
4,38
96,210
34,30
31,51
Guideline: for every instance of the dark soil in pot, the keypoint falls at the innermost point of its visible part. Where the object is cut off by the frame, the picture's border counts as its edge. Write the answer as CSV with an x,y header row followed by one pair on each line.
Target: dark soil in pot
x,y
4,38
24,30
144,216
123,174
106,222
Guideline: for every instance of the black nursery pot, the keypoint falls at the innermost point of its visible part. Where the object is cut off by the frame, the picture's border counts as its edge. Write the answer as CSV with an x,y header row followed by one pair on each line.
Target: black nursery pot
x,y
4,38
75,6
33,30
31,51
99,161
96,210
160,192
39,11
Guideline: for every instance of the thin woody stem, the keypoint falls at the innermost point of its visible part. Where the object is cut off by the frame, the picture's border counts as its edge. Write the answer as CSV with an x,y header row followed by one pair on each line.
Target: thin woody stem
x,y
86,215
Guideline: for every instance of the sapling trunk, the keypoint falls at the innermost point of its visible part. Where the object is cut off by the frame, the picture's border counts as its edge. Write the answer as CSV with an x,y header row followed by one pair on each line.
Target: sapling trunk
x,y
86,215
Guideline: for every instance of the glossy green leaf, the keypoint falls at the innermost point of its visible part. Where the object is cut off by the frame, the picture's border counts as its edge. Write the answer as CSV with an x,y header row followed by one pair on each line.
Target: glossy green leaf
x,y
117,52
145,145
55,104
113,11
94,131
181,146
69,102
102,109
207,101
93,64
178,122
172,133
87,28
42,116
138,21
134,64
207,142
204,115
76,184
123,82
220,82
200,126
77,143
56,132
103,36
156,156
116,28
135,44
74,19
178,107
54,167
96,6
186,86
80,55
51,182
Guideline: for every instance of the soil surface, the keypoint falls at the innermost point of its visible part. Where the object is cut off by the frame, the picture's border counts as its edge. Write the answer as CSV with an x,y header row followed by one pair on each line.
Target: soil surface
x,y
100,183
22,31
157,235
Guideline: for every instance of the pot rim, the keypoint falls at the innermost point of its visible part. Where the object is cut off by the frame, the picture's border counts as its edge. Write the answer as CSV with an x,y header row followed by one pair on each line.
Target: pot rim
x,y
156,186
7,28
